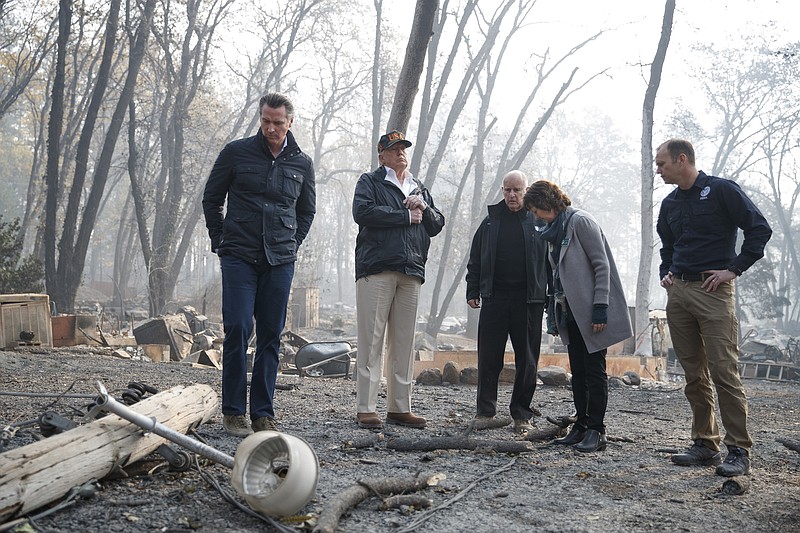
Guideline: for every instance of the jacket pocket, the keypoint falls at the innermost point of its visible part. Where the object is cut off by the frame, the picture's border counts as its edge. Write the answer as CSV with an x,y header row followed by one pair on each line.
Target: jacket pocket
x,y
291,184
706,216
289,222
251,178
241,228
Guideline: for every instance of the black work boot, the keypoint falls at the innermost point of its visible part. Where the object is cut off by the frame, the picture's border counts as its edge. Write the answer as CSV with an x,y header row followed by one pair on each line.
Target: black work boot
x,y
697,455
737,463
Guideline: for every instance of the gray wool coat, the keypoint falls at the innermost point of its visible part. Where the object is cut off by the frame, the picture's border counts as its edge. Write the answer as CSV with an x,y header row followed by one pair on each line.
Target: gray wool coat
x,y
589,276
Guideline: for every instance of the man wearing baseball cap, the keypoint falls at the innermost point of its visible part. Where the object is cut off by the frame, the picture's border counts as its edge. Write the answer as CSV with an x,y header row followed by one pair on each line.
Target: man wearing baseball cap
x,y
396,219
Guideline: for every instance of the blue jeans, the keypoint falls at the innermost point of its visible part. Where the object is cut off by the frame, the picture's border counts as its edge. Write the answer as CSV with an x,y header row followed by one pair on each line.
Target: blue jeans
x,y
252,291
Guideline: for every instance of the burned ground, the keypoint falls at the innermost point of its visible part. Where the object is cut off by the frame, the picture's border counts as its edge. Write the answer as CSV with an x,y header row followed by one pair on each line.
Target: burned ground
x,y
632,486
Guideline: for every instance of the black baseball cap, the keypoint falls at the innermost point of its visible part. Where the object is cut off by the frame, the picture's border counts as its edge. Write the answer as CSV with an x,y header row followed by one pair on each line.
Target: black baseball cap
x,y
392,138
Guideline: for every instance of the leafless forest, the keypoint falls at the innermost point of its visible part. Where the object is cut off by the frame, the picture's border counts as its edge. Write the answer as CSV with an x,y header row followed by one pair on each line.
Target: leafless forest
x,y
111,114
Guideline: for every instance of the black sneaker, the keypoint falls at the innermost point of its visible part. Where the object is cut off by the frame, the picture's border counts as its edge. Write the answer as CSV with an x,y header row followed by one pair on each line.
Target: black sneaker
x,y
697,455
737,463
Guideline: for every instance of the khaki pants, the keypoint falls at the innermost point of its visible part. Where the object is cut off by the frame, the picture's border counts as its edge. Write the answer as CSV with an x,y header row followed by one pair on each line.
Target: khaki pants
x,y
386,305
704,334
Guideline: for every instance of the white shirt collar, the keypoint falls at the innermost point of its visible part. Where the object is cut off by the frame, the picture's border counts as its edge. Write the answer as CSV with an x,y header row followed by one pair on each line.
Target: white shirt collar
x,y
409,182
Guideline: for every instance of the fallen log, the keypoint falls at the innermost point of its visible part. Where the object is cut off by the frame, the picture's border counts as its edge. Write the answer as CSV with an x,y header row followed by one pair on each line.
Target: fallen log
x,y
548,433
406,500
735,486
34,475
479,424
355,494
457,443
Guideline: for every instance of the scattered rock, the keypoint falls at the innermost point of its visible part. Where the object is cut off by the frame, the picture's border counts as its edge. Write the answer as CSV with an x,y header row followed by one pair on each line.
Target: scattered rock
x,y
633,378
469,376
451,373
615,382
430,376
554,375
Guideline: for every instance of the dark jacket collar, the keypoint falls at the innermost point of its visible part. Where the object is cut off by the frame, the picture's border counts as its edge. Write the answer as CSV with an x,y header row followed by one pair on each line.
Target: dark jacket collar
x,y
290,150
701,180
496,210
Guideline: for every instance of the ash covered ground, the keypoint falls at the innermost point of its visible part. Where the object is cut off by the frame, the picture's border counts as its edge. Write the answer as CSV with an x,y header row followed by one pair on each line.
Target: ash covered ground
x,y
632,486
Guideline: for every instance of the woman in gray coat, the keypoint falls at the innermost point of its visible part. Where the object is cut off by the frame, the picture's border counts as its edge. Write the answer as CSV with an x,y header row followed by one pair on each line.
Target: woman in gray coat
x,y
588,308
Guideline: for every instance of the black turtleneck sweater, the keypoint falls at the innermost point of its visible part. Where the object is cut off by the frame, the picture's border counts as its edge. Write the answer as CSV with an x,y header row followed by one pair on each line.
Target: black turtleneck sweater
x,y
509,264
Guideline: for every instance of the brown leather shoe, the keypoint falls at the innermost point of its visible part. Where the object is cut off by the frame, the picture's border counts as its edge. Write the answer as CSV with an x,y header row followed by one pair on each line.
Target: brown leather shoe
x,y
369,420
406,419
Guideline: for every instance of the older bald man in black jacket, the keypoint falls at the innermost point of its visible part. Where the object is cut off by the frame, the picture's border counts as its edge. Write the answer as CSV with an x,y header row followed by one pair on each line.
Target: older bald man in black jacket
x,y
508,274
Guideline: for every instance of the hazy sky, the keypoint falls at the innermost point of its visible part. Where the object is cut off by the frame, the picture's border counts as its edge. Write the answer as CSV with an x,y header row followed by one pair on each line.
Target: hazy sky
x,y
633,28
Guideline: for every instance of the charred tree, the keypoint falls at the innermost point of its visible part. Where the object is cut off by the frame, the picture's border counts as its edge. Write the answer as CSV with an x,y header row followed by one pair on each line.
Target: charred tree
x,y
644,346
408,83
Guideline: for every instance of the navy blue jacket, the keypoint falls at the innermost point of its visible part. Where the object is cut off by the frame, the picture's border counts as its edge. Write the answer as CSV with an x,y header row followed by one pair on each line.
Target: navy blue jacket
x,y
271,201
698,228
387,240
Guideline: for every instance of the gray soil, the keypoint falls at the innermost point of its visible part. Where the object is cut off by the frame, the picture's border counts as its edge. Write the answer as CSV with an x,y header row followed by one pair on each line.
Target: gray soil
x,y
632,486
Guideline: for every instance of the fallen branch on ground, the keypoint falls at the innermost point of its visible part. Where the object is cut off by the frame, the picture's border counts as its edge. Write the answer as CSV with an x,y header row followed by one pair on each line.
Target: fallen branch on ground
x,y
549,433
355,494
457,443
427,514
408,500
478,424
735,486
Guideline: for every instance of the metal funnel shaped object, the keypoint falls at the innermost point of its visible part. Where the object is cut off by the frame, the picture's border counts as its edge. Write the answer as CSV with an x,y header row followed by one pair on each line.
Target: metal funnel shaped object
x,y
276,473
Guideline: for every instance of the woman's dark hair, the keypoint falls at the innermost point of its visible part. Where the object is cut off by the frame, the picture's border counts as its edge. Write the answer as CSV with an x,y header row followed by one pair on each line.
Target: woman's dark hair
x,y
546,195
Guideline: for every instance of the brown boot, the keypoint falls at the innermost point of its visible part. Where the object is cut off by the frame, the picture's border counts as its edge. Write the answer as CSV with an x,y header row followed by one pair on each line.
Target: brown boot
x,y
406,419
265,423
369,420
